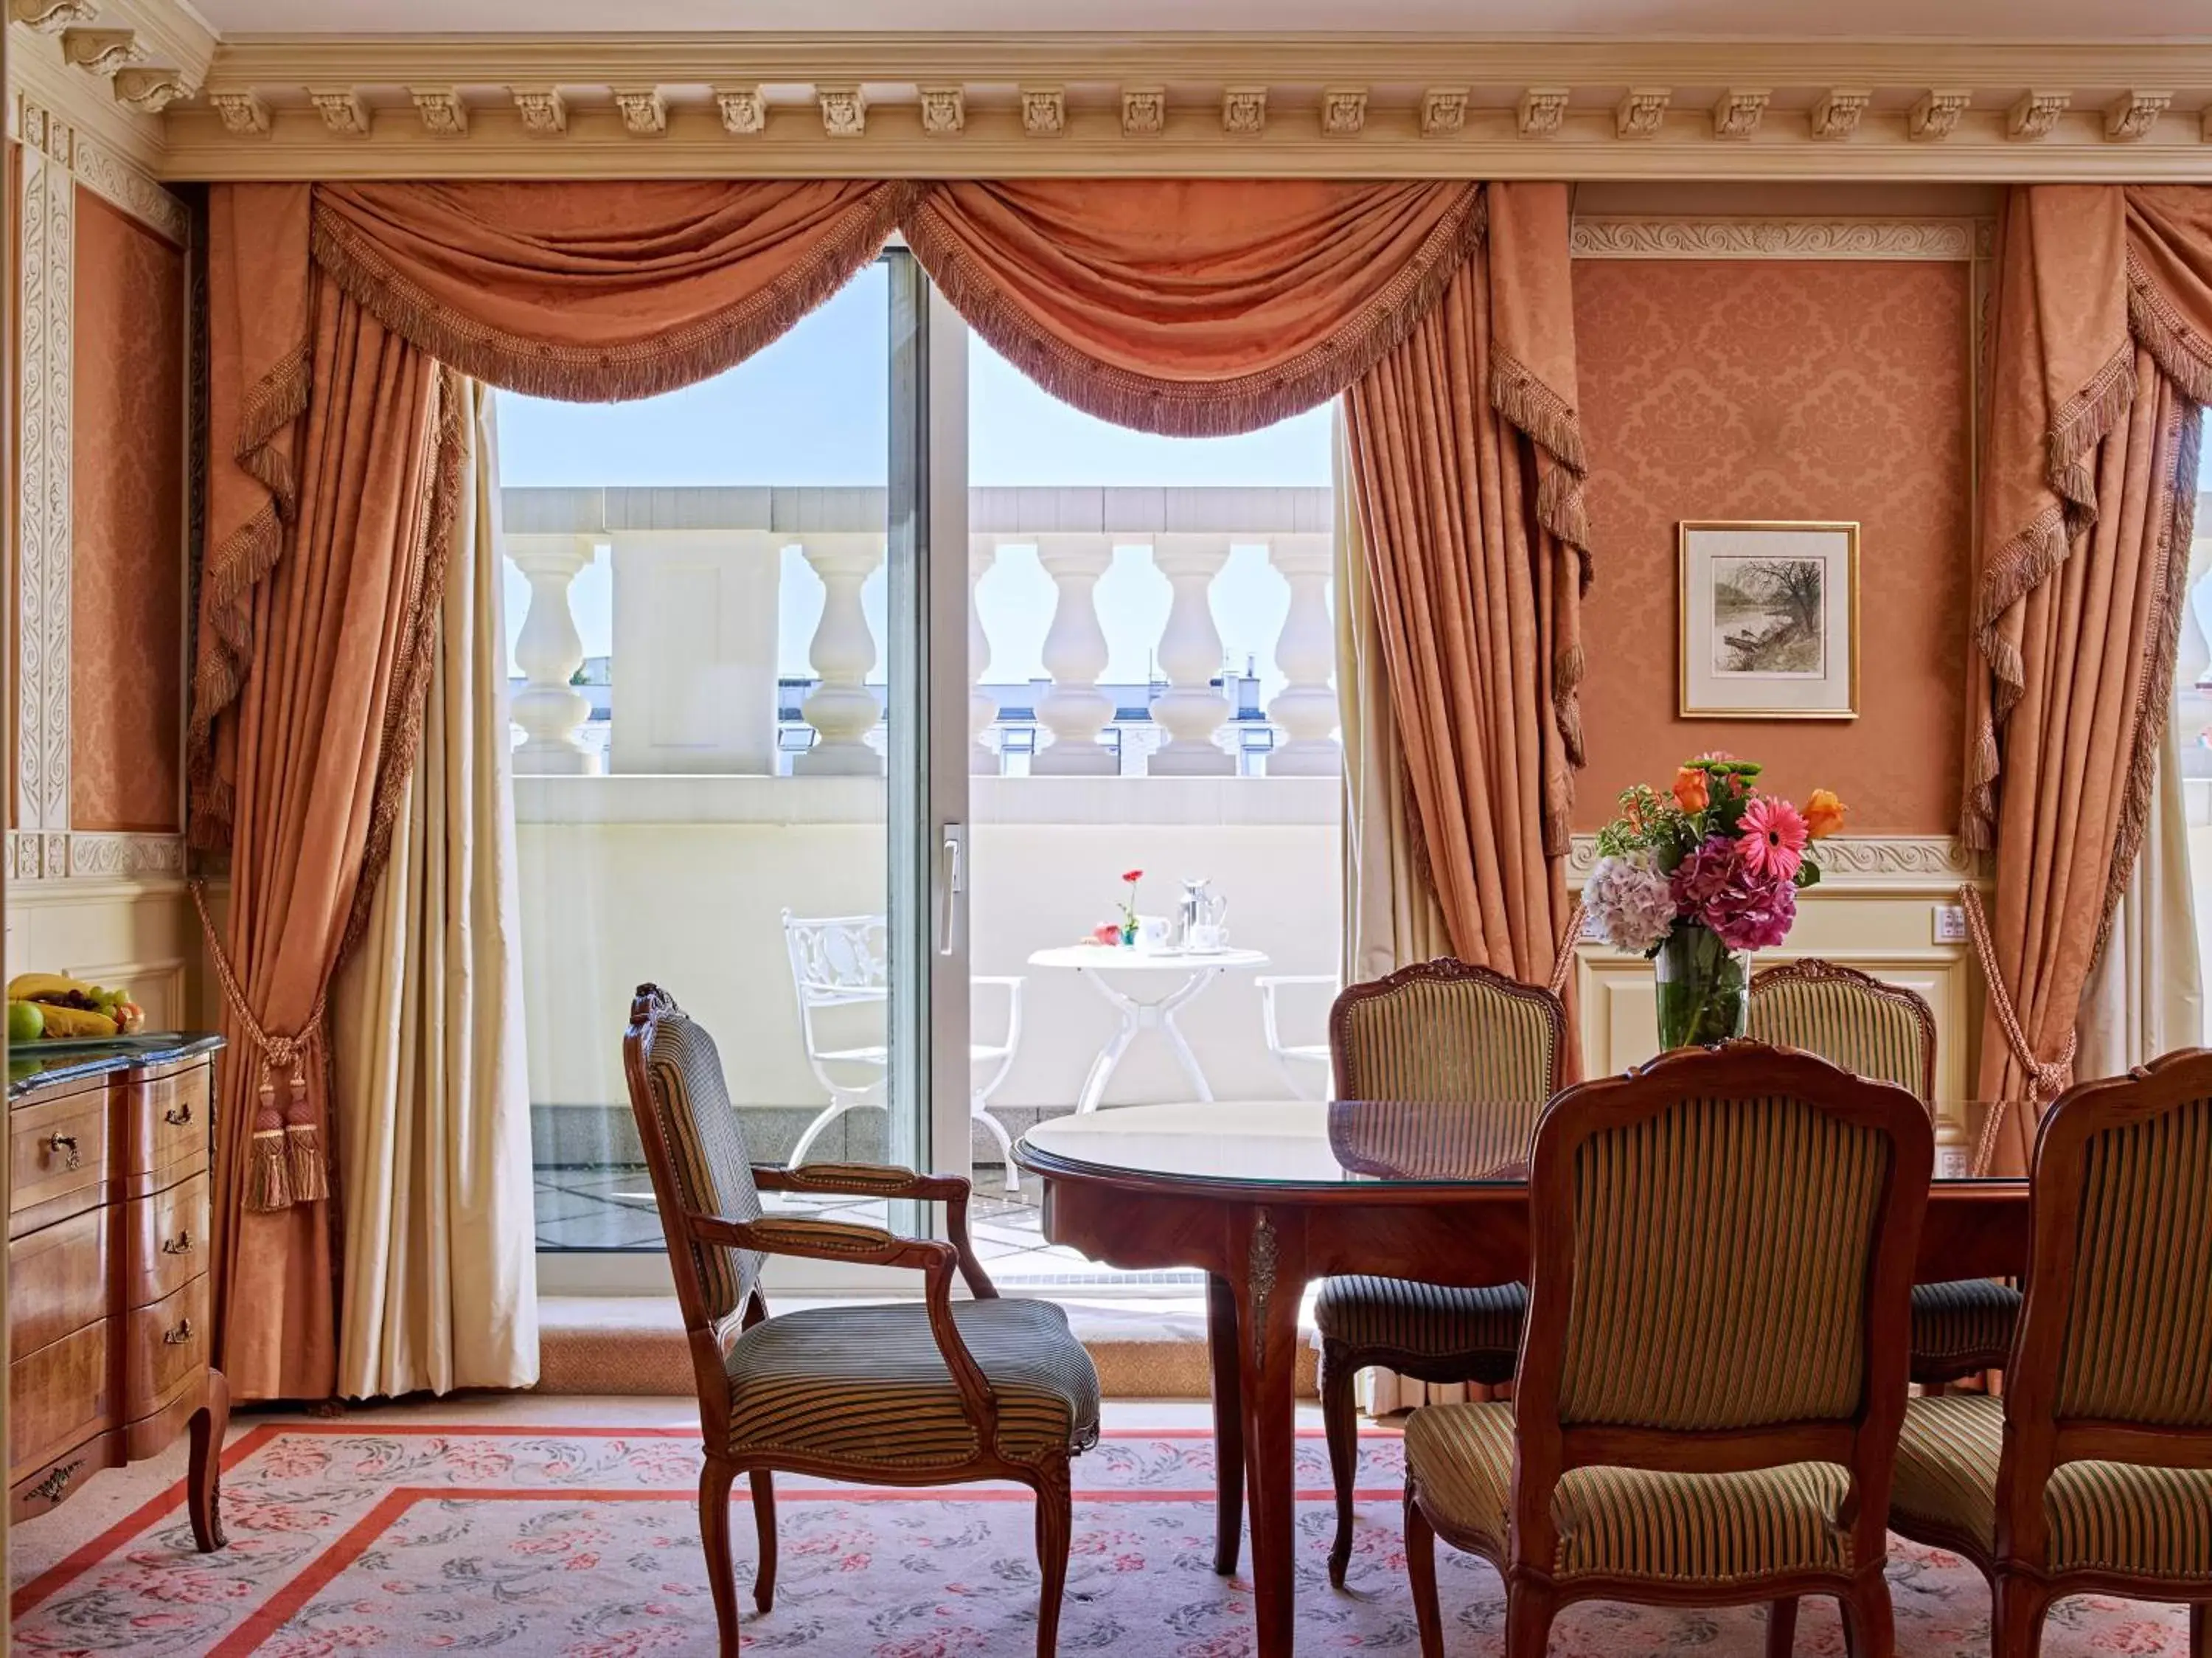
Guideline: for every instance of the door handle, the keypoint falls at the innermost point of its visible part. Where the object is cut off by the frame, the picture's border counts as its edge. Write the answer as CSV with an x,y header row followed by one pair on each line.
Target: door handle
x,y
951,881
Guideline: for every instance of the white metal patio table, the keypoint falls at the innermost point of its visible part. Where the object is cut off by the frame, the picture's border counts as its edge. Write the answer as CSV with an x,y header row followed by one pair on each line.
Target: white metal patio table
x,y
1095,963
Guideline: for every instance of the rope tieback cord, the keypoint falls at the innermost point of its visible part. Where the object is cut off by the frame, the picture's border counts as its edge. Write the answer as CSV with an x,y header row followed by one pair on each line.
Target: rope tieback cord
x,y
2046,1078
1563,957
284,1165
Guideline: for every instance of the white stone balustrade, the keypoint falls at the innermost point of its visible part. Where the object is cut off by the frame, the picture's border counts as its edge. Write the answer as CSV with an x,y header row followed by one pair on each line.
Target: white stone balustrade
x,y
1193,708
841,707
1073,709
694,651
1305,652
982,707
550,710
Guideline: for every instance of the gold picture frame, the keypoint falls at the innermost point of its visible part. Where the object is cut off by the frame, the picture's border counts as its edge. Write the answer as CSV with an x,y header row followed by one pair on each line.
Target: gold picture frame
x,y
1768,617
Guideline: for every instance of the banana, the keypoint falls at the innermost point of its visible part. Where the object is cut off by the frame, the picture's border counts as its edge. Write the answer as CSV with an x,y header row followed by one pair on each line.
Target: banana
x,y
47,987
62,1022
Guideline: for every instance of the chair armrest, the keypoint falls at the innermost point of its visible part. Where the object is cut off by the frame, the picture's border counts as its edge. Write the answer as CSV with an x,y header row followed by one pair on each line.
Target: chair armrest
x,y
871,1246
882,1181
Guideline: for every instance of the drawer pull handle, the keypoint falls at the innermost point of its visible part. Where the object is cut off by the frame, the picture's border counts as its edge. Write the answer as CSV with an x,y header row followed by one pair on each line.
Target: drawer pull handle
x,y
178,1337
50,1488
178,1116
65,1143
179,1245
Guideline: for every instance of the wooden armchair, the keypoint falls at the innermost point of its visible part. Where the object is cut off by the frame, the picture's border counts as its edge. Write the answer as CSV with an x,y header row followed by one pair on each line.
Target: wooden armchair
x,y
2093,1475
924,1393
1439,1033
1709,1393
1887,1032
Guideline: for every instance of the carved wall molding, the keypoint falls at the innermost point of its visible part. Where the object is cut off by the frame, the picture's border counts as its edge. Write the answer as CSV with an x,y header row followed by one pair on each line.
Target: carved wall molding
x,y
1603,236
85,856
1894,864
130,188
953,106
46,237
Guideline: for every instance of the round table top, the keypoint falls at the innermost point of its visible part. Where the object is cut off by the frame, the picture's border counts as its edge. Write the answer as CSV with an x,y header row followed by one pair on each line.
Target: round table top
x,y
1122,959
1281,1143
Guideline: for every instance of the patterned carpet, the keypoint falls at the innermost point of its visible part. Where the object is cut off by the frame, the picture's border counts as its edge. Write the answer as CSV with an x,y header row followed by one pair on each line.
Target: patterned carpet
x,y
401,1538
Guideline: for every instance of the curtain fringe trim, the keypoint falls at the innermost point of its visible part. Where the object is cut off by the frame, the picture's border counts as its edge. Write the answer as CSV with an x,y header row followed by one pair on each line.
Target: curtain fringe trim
x,y
610,374
1218,408
2183,355
233,571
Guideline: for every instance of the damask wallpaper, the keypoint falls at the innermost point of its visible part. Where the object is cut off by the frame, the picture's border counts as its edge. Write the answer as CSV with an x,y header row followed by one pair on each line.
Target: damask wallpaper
x,y
126,679
1780,389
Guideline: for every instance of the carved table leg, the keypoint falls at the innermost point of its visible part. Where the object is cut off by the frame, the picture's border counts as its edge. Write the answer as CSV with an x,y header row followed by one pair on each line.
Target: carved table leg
x,y
1228,1423
1267,1324
204,1481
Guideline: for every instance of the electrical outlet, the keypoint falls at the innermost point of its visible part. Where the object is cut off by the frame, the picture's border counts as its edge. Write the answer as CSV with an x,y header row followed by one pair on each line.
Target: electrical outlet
x,y
1950,924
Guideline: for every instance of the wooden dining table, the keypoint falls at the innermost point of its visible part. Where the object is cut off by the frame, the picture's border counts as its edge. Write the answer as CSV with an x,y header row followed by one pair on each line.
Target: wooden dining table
x,y
1266,1197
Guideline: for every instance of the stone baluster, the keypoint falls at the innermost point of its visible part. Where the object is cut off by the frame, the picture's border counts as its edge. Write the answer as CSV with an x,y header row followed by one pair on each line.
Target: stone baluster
x,y
1305,650
841,709
1073,709
983,706
1192,709
551,710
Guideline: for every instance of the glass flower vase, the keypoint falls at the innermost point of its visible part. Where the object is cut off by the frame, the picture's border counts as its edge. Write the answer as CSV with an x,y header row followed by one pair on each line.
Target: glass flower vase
x,y
1702,986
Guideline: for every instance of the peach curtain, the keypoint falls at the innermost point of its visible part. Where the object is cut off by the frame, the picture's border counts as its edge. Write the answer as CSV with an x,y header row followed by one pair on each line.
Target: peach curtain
x,y
1194,306
2102,357
1467,462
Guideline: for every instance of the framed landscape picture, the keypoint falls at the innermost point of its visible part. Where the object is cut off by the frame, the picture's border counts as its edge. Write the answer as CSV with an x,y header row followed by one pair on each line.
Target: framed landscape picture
x,y
1770,621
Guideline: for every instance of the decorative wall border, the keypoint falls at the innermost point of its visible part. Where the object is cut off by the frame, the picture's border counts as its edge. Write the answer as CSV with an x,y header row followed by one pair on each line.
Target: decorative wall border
x,y
1623,236
1904,864
58,156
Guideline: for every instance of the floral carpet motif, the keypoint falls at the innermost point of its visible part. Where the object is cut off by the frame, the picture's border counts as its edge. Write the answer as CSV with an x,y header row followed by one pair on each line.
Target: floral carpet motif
x,y
585,1543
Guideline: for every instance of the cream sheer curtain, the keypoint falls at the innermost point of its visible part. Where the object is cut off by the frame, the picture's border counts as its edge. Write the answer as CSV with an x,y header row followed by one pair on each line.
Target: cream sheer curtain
x,y
439,1286
2145,995
1391,916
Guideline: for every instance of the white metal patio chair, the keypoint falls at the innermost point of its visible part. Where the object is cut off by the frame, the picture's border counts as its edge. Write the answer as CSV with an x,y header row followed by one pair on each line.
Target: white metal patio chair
x,y
1303,1065
839,962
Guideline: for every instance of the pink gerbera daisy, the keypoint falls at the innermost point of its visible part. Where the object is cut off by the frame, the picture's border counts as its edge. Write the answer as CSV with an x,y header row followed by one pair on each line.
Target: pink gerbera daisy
x,y
1771,837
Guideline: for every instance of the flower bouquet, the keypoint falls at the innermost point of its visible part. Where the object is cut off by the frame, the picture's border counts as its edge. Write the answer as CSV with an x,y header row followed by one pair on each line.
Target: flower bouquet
x,y
1699,878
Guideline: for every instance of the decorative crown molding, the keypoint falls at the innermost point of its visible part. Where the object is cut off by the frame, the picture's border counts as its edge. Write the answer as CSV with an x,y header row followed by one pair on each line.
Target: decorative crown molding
x,y
844,111
102,50
1044,111
242,112
1902,864
2035,114
151,91
1935,114
1144,111
51,17
1641,113
2133,116
1343,112
1244,112
342,110
1542,112
743,110
644,111
1611,236
444,115
944,111
1739,112
1837,115
544,111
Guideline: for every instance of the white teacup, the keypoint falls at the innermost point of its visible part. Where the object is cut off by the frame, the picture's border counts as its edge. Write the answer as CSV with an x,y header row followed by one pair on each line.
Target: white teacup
x,y
1206,938
1151,932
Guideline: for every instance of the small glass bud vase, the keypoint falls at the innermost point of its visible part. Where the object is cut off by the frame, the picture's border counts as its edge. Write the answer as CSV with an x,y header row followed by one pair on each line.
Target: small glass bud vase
x,y
1702,986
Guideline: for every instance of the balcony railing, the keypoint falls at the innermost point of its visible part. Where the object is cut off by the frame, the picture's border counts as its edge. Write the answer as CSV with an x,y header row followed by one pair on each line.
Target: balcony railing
x,y
696,575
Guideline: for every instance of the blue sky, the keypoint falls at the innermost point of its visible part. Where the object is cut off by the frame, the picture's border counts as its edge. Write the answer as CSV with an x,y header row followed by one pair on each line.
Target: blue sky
x,y
810,409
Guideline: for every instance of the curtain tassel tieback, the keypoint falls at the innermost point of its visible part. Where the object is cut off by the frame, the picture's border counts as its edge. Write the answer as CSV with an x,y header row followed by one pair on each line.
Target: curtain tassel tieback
x,y
285,1163
1563,956
2046,1078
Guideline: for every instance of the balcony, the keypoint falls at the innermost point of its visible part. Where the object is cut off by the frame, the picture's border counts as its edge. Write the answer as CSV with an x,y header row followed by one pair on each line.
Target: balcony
x,y
668,814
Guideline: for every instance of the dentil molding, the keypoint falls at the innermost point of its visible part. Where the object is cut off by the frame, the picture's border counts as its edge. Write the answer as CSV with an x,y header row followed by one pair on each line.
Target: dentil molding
x,y
1934,864
938,104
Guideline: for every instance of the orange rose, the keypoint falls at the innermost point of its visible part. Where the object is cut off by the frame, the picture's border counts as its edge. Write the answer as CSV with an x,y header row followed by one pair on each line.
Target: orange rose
x,y
1690,789
1824,814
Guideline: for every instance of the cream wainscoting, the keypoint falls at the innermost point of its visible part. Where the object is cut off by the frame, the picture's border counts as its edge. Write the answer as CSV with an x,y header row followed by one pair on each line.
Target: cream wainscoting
x,y
110,906
1882,906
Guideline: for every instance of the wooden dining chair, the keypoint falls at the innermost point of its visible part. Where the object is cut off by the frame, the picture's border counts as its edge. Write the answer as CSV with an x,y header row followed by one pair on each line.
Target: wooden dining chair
x,y
1438,1032
1710,1389
928,1392
1961,1327
2093,1474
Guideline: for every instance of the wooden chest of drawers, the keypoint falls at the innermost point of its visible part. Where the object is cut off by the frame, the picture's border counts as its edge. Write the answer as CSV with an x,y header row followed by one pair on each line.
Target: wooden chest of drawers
x,y
108,1243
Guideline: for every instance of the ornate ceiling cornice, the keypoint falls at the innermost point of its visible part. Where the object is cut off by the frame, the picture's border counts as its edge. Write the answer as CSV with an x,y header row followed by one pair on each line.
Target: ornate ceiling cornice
x,y
938,104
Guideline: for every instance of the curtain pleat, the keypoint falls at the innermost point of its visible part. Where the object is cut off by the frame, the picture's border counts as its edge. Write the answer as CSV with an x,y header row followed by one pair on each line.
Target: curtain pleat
x,y
433,1102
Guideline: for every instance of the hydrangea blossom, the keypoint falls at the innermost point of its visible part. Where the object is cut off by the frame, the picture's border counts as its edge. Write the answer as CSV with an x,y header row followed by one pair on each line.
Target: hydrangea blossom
x,y
1715,887
1631,901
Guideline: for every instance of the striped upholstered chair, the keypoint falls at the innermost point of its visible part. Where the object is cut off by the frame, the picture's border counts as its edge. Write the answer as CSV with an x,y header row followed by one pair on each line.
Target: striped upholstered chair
x,y
1710,1390
1885,1031
1439,1033
2093,1475
924,1393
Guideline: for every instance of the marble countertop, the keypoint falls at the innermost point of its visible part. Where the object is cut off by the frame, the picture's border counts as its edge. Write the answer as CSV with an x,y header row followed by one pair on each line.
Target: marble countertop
x,y
35,1065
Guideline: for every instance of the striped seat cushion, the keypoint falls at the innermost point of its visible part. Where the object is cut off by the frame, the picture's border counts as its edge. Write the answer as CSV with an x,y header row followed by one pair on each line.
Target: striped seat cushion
x,y
2104,1516
1396,1315
1967,1323
1628,1522
867,1384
